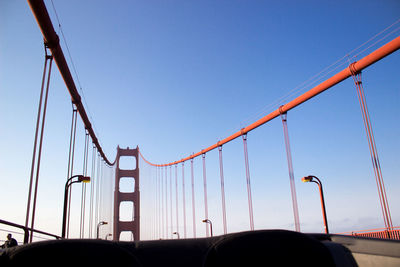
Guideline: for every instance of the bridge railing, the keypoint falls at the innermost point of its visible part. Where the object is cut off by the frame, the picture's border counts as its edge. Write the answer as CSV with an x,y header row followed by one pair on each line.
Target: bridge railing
x,y
27,230
384,233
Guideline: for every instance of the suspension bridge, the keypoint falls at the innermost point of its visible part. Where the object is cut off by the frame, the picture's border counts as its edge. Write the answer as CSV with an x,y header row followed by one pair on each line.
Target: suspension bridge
x,y
130,197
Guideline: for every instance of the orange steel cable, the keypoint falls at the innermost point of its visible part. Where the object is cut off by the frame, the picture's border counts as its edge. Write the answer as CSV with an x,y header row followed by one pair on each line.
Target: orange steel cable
x,y
363,63
327,70
373,150
52,40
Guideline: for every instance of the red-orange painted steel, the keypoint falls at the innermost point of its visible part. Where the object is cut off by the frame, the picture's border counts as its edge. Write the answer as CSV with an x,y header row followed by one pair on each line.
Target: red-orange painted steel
x,y
51,38
363,63
392,233
53,43
133,225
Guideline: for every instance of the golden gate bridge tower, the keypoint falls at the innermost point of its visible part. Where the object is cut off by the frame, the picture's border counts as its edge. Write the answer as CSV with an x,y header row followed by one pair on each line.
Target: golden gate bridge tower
x,y
133,225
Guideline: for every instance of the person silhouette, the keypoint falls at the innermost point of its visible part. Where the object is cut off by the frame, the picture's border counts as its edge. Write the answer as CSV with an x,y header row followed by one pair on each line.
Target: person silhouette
x,y
10,242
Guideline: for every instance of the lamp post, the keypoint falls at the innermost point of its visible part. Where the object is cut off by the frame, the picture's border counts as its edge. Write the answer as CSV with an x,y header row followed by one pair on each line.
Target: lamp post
x,y
107,236
314,179
176,233
209,222
81,178
98,227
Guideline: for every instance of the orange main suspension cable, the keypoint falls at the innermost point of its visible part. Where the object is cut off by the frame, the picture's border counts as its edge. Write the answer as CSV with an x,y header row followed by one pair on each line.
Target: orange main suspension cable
x,y
357,66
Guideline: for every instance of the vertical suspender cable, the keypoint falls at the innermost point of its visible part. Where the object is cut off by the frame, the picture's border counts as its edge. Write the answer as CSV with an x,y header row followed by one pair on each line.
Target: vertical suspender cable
x,y
156,204
154,187
176,195
83,198
291,173
71,156
90,198
183,200
166,204
35,142
83,192
249,197
221,172
100,198
372,148
159,203
40,144
92,182
170,197
193,201
156,223
160,212
205,192
97,219
151,198
162,201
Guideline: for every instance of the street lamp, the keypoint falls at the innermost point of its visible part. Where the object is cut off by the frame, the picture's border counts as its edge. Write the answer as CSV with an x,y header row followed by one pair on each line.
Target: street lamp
x,y
312,178
98,227
81,178
176,233
209,222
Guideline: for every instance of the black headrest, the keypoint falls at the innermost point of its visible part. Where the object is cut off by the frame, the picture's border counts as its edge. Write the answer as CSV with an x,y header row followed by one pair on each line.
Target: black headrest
x,y
71,253
268,248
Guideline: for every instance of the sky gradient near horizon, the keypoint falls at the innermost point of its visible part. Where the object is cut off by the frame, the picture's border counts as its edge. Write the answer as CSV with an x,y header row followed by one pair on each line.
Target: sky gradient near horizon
x,y
174,77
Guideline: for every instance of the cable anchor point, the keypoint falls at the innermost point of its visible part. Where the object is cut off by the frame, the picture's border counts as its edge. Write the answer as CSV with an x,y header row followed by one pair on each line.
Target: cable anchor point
x,y
282,113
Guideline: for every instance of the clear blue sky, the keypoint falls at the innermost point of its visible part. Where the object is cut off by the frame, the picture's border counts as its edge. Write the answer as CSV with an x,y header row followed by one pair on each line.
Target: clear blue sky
x,y
177,76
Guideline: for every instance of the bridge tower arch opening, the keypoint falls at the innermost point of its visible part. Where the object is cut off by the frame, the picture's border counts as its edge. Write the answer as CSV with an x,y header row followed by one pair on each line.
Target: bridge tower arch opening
x,y
127,167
